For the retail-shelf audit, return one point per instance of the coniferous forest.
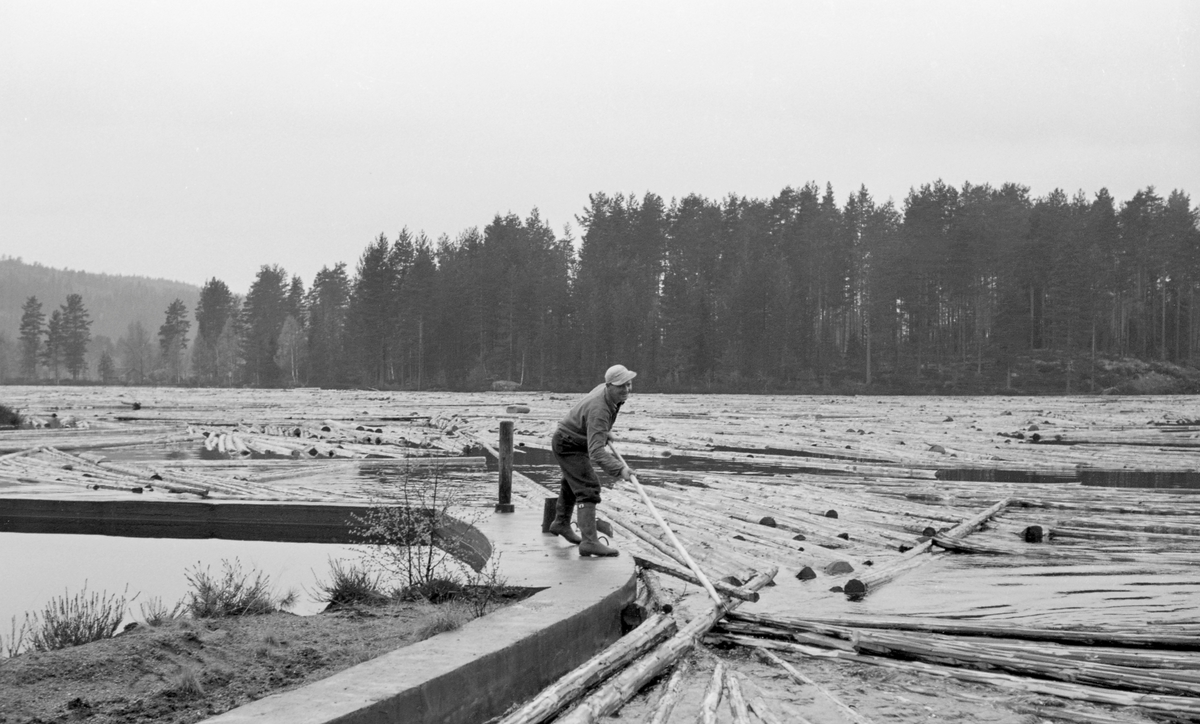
(959, 289)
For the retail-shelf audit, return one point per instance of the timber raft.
(1042, 546)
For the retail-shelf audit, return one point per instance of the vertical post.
(506, 466)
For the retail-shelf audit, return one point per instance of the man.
(581, 439)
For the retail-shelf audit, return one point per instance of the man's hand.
(612, 437)
(626, 473)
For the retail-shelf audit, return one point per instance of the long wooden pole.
(505, 505)
(708, 586)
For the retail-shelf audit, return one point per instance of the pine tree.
(370, 317)
(53, 351)
(327, 303)
(76, 335)
(137, 354)
(263, 314)
(32, 321)
(172, 338)
(106, 368)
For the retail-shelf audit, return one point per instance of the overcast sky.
(198, 140)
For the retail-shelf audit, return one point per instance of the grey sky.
(193, 140)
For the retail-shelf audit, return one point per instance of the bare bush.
(409, 536)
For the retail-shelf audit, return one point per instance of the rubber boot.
(591, 545)
(562, 522)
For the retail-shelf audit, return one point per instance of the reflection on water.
(35, 568)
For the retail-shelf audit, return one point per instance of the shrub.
(234, 594)
(79, 619)
(156, 613)
(347, 585)
(9, 417)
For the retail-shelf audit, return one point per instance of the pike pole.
(667, 529)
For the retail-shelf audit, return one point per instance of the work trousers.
(579, 482)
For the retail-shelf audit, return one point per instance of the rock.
(768, 521)
(517, 409)
(836, 589)
(806, 574)
(799, 536)
(1034, 534)
(844, 536)
(831, 513)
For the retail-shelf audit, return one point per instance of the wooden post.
(506, 467)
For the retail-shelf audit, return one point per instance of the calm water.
(34, 568)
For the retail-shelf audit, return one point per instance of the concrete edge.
(482, 669)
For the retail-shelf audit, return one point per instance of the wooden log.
(841, 706)
(720, 585)
(859, 587)
(614, 693)
(658, 600)
(1175, 706)
(670, 694)
(1030, 661)
(712, 695)
(737, 701)
(843, 626)
(570, 687)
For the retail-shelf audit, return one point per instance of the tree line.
(796, 292)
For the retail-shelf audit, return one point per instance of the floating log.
(570, 687)
(843, 626)
(712, 695)
(658, 600)
(671, 692)
(859, 587)
(1176, 706)
(737, 701)
(614, 693)
(720, 585)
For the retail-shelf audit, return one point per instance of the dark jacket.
(587, 425)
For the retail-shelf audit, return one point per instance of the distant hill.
(113, 301)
